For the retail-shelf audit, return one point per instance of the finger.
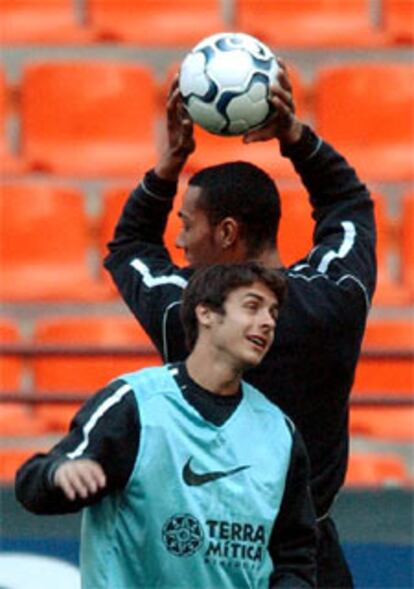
(258, 135)
(174, 84)
(65, 482)
(187, 128)
(281, 98)
(78, 483)
(283, 79)
(93, 476)
(173, 98)
(281, 63)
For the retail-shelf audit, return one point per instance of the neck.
(212, 372)
(270, 258)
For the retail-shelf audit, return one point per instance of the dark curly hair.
(246, 193)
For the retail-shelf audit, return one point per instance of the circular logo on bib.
(182, 534)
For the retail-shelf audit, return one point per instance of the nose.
(268, 320)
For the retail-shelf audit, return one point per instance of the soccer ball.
(224, 81)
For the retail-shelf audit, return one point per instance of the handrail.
(35, 350)
(34, 397)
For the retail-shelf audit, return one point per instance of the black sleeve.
(142, 269)
(343, 251)
(106, 429)
(292, 544)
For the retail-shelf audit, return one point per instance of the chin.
(251, 362)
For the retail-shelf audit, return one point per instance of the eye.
(251, 305)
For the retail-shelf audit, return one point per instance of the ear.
(204, 315)
(228, 232)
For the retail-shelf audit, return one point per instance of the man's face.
(245, 332)
(197, 237)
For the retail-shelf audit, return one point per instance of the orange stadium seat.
(11, 367)
(155, 22)
(213, 149)
(113, 201)
(40, 21)
(309, 23)
(390, 290)
(44, 243)
(374, 129)
(296, 225)
(89, 118)
(367, 469)
(388, 424)
(389, 377)
(11, 458)
(407, 242)
(9, 162)
(15, 418)
(84, 374)
(398, 20)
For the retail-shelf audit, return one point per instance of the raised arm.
(344, 235)
(138, 261)
(93, 459)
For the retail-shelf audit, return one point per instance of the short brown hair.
(211, 285)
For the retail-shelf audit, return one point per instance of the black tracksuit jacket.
(310, 369)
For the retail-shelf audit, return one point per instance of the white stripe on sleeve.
(94, 418)
(150, 281)
(345, 247)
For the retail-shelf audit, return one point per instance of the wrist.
(291, 135)
(169, 167)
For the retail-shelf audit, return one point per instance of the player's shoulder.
(148, 380)
(261, 404)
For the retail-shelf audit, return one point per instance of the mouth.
(258, 341)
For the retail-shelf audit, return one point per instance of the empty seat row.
(48, 242)
(387, 365)
(303, 23)
(100, 119)
(70, 373)
(91, 350)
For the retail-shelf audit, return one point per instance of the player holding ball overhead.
(231, 213)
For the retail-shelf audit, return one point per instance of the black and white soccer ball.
(224, 81)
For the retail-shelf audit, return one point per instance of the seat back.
(398, 20)
(374, 469)
(382, 117)
(296, 225)
(407, 242)
(155, 22)
(85, 373)
(113, 201)
(307, 23)
(17, 418)
(40, 21)
(45, 240)
(387, 376)
(102, 121)
(11, 458)
(11, 367)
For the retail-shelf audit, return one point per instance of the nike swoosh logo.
(194, 479)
